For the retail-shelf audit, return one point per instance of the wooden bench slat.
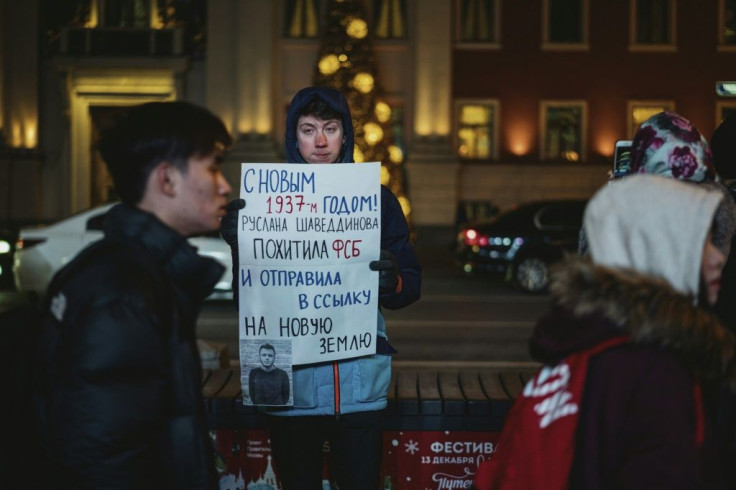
(215, 382)
(233, 388)
(511, 381)
(429, 394)
(206, 373)
(391, 395)
(527, 375)
(407, 396)
(453, 401)
(477, 401)
(500, 400)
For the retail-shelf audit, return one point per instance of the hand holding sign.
(388, 272)
(229, 222)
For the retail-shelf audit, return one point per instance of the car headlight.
(4, 247)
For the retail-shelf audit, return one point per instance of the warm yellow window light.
(373, 133)
(329, 64)
(383, 112)
(474, 114)
(363, 82)
(357, 28)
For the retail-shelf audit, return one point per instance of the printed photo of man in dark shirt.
(267, 384)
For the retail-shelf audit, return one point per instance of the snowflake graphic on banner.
(412, 446)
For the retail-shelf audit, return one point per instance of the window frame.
(583, 45)
(723, 104)
(544, 105)
(635, 46)
(373, 22)
(495, 104)
(631, 104)
(319, 6)
(494, 44)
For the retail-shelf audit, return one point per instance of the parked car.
(523, 241)
(41, 251)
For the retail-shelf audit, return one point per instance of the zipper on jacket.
(336, 374)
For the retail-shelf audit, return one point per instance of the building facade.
(500, 101)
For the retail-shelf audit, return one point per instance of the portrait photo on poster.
(267, 377)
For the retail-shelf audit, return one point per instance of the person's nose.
(225, 187)
(321, 140)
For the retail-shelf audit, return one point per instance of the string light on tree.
(346, 62)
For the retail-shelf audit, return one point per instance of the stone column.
(432, 166)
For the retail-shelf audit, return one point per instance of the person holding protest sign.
(341, 401)
(267, 384)
(118, 393)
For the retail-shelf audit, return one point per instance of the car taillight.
(23, 243)
(473, 237)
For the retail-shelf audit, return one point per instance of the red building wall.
(521, 74)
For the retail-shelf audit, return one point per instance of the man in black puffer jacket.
(118, 391)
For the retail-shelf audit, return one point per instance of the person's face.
(711, 267)
(201, 194)
(319, 141)
(267, 357)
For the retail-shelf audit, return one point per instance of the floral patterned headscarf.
(669, 145)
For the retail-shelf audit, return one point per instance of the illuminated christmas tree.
(346, 63)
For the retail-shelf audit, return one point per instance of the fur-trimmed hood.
(593, 303)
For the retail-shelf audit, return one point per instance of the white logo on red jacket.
(551, 384)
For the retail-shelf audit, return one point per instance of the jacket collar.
(190, 272)
(594, 302)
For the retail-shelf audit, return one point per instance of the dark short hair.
(267, 346)
(320, 109)
(155, 132)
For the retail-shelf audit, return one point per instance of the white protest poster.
(306, 236)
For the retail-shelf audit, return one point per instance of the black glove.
(388, 272)
(229, 222)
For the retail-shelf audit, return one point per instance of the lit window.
(565, 24)
(478, 21)
(390, 19)
(302, 18)
(727, 22)
(640, 110)
(476, 129)
(652, 24)
(563, 131)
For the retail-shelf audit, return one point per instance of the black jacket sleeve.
(395, 239)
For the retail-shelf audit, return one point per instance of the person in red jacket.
(632, 357)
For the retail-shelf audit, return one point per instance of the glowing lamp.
(358, 155)
(357, 28)
(363, 82)
(373, 133)
(329, 64)
(395, 154)
(405, 205)
(385, 175)
(383, 112)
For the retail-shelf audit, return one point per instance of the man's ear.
(164, 178)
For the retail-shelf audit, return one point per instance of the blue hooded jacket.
(361, 384)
